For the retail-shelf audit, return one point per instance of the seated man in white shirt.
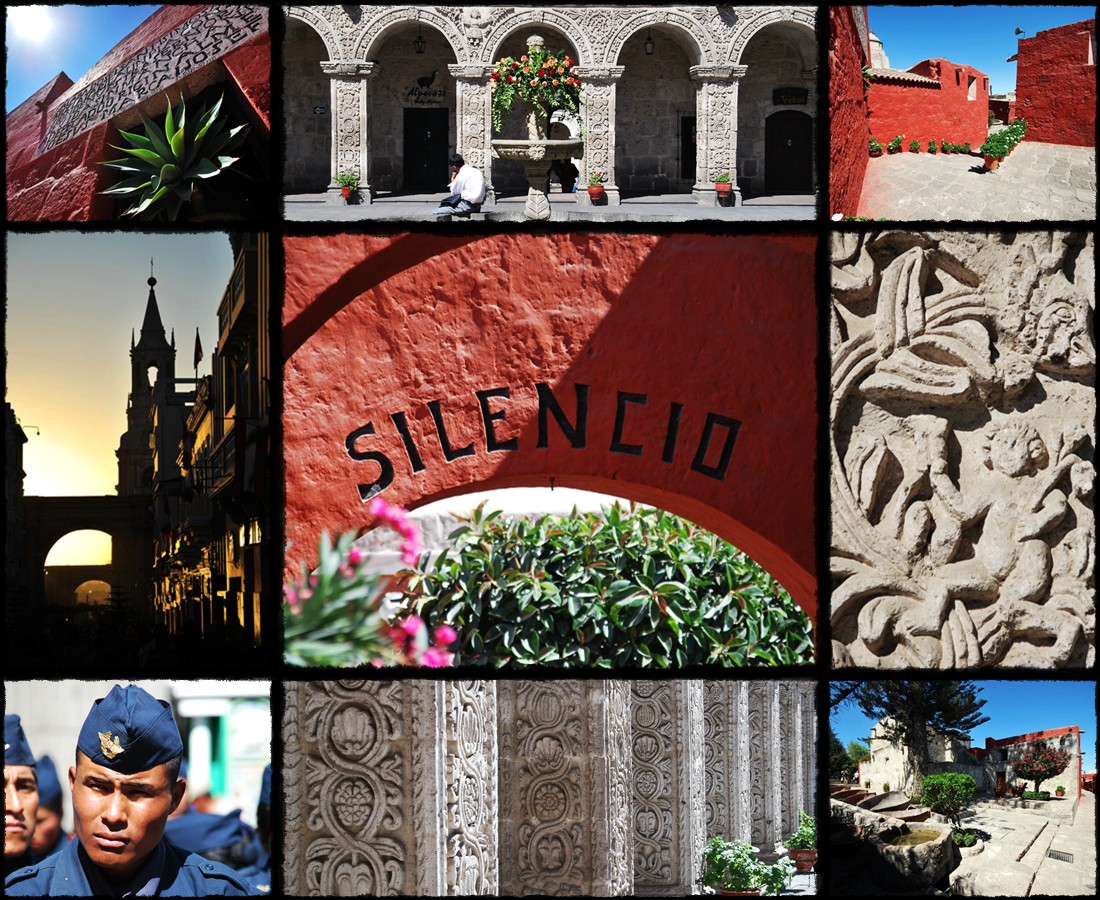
(467, 190)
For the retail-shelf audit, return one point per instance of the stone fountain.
(536, 153)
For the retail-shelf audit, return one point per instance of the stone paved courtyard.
(1049, 182)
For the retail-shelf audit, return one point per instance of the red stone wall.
(1056, 85)
(64, 183)
(1005, 110)
(926, 112)
(847, 110)
(378, 330)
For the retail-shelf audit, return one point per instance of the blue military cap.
(265, 786)
(49, 785)
(199, 832)
(17, 752)
(130, 731)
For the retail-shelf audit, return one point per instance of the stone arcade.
(601, 787)
(671, 95)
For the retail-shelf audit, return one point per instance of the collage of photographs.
(620, 442)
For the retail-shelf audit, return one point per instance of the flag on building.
(198, 348)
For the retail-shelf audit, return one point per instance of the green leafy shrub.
(895, 145)
(1040, 762)
(874, 146)
(642, 588)
(805, 838)
(947, 794)
(168, 163)
(964, 838)
(733, 866)
(1036, 795)
(932, 148)
(914, 146)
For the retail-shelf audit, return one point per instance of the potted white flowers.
(732, 869)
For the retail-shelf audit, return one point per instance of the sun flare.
(30, 23)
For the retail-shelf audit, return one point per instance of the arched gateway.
(671, 96)
(673, 370)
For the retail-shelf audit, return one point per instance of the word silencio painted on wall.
(708, 461)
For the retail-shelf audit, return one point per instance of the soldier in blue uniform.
(20, 796)
(260, 873)
(124, 785)
(49, 836)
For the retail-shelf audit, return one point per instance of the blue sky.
(979, 36)
(43, 41)
(1013, 707)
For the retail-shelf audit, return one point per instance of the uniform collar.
(144, 883)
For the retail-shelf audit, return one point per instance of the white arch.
(373, 32)
(531, 19)
(702, 50)
(313, 17)
(802, 16)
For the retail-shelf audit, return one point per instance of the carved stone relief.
(202, 39)
(963, 444)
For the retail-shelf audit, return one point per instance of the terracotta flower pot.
(876, 153)
(991, 163)
(723, 188)
(345, 193)
(804, 860)
(595, 192)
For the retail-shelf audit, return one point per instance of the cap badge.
(111, 747)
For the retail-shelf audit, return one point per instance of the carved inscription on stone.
(205, 37)
(962, 410)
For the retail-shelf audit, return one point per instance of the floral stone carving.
(961, 419)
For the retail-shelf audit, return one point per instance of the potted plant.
(994, 150)
(732, 869)
(943, 146)
(895, 145)
(595, 186)
(349, 185)
(1060, 791)
(914, 146)
(722, 185)
(886, 787)
(874, 147)
(802, 845)
(932, 147)
(966, 147)
(867, 784)
(540, 79)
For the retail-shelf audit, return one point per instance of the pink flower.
(410, 548)
(292, 599)
(355, 556)
(412, 625)
(445, 635)
(434, 658)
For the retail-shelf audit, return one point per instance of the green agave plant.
(168, 163)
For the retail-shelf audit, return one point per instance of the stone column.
(760, 758)
(598, 107)
(474, 124)
(716, 129)
(669, 783)
(350, 133)
(565, 788)
(380, 781)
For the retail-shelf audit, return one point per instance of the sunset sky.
(72, 301)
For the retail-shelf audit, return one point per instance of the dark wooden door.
(788, 153)
(687, 148)
(426, 150)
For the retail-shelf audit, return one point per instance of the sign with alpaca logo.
(428, 90)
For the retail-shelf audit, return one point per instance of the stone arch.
(693, 40)
(314, 17)
(532, 20)
(803, 17)
(375, 32)
(620, 379)
(307, 89)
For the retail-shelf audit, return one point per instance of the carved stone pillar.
(716, 129)
(598, 107)
(474, 126)
(350, 136)
(760, 758)
(565, 788)
(669, 781)
(390, 788)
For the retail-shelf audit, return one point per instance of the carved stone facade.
(594, 787)
(962, 430)
(660, 107)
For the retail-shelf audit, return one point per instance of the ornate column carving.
(598, 106)
(473, 129)
(379, 777)
(565, 788)
(716, 129)
(350, 102)
(669, 782)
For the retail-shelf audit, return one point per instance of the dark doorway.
(788, 153)
(426, 150)
(687, 148)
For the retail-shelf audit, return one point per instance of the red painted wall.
(847, 110)
(991, 743)
(63, 184)
(1005, 110)
(377, 328)
(1056, 85)
(926, 112)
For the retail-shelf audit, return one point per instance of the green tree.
(910, 709)
(857, 752)
(838, 757)
(947, 794)
(1040, 762)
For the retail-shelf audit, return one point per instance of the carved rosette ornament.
(350, 101)
(962, 410)
(716, 138)
(598, 108)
